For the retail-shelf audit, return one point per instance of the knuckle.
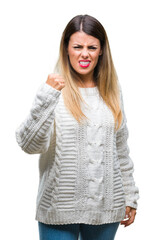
(57, 76)
(50, 76)
(56, 80)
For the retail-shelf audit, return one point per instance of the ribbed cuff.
(49, 89)
(131, 204)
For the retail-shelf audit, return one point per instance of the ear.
(100, 52)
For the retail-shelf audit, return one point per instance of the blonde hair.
(105, 75)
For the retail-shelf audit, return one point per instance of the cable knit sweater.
(86, 174)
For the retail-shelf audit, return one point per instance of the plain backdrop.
(29, 45)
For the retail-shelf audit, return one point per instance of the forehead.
(83, 38)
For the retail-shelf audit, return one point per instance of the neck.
(86, 81)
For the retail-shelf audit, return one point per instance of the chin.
(83, 71)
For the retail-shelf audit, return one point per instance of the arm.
(126, 163)
(33, 135)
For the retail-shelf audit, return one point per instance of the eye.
(77, 47)
(92, 47)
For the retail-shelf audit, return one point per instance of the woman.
(78, 125)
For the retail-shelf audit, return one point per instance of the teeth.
(84, 63)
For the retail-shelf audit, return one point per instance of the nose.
(84, 53)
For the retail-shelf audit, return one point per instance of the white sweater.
(86, 174)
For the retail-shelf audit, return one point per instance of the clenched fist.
(56, 81)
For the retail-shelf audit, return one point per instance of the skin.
(81, 46)
(85, 47)
(56, 81)
(129, 216)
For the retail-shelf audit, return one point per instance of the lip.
(84, 66)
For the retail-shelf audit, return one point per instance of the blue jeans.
(73, 231)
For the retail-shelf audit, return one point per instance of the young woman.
(78, 126)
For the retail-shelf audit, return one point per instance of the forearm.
(33, 135)
(126, 163)
(127, 168)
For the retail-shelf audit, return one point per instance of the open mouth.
(84, 64)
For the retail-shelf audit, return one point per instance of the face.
(84, 51)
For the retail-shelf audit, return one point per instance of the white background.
(29, 44)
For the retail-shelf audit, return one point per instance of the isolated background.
(29, 45)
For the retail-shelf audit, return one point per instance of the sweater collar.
(89, 91)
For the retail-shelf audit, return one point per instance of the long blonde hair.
(104, 73)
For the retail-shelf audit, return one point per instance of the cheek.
(96, 57)
(73, 57)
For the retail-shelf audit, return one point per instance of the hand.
(129, 216)
(56, 81)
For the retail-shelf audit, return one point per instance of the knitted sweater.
(86, 174)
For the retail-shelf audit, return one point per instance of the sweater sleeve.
(126, 163)
(33, 135)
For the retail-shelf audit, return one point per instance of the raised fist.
(56, 81)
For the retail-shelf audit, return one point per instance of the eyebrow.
(88, 45)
